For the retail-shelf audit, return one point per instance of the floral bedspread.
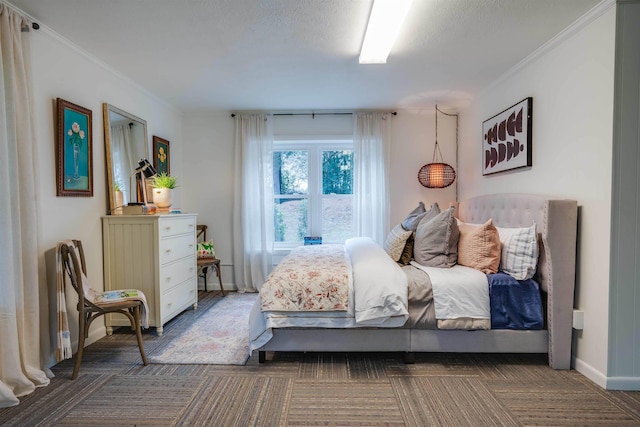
(310, 278)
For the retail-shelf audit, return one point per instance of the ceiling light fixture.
(438, 174)
(384, 25)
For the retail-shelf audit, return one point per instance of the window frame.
(314, 146)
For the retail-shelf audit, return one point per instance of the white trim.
(590, 372)
(593, 14)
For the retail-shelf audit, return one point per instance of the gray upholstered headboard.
(556, 224)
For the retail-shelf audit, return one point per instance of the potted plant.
(163, 185)
(119, 197)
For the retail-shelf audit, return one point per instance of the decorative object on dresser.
(125, 143)
(506, 139)
(90, 304)
(156, 254)
(161, 155)
(163, 186)
(207, 256)
(74, 168)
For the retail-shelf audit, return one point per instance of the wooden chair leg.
(136, 316)
(219, 277)
(82, 328)
(205, 270)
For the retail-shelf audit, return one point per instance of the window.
(313, 191)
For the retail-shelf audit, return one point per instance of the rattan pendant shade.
(437, 174)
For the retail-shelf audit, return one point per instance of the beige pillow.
(396, 241)
(436, 240)
(479, 247)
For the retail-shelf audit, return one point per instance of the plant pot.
(162, 198)
(119, 199)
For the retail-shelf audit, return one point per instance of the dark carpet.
(316, 389)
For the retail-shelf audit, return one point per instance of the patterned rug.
(218, 337)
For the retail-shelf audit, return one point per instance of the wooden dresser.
(153, 253)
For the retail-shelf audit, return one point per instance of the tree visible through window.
(313, 191)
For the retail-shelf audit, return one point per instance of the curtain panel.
(371, 141)
(20, 353)
(253, 229)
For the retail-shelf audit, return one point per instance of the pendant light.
(438, 174)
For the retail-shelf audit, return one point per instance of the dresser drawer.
(174, 248)
(178, 298)
(175, 226)
(176, 272)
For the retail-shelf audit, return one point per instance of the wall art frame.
(161, 155)
(507, 139)
(74, 150)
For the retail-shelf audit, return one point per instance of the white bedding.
(458, 292)
(379, 294)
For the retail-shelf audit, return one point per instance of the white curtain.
(124, 158)
(253, 233)
(371, 141)
(20, 358)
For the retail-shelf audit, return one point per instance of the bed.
(555, 223)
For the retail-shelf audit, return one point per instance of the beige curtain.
(20, 359)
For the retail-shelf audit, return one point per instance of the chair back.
(74, 268)
(201, 232)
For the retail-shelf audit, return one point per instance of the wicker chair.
(89, 311)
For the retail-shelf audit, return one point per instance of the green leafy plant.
(162, 180)
(117, 186)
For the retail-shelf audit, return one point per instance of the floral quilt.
(310, 278)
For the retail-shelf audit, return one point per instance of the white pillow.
(396, 240)
(519, 257)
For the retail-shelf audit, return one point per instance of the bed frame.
(556, 221)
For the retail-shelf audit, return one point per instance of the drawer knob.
(168, 228)
(168, 251)
(168, 279)
(190, 245)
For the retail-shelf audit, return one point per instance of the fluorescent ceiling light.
(383, 28)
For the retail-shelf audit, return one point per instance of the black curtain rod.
(312, 114)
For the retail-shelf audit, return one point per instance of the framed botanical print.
(161, 155)
(506, 139)
(74, 156)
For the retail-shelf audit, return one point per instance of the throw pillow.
(206, 250)
(479, 246)
(407, 251)
(396, 241)
(436, 240)
(415, 216)
(519, 257)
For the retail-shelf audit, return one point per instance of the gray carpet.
(312, 389)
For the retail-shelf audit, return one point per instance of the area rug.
(218, 337)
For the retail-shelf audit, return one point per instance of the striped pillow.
(519, 258)
(396, 240)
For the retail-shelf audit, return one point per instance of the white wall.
(60, 70)
(571, 83)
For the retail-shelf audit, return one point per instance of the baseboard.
(623, 383)
(590, 372)
(608, 383)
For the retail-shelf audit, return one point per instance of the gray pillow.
(412, 220)
(436, 240)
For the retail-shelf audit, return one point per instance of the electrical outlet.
(578, 319)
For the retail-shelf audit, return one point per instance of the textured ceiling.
(303, 54)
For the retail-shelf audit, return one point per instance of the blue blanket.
(515, 304)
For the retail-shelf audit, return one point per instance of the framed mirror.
(125, 141)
